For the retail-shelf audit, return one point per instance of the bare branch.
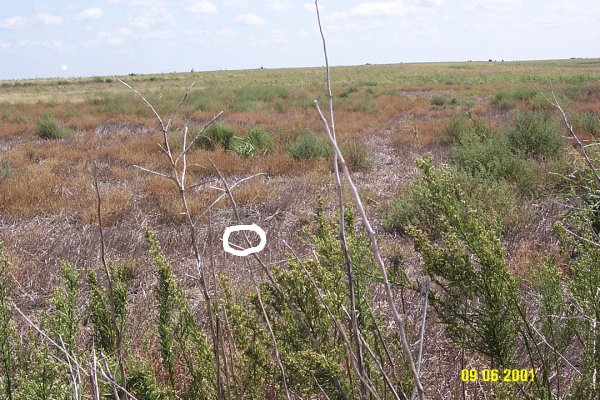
(154, 172)
(176, 109)
(162, 125)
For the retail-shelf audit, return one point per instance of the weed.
(309, 146)
(49, 128)
(357, 156)
(216, 135)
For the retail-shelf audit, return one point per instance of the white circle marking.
(242, 253)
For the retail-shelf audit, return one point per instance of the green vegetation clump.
(49, 128)
(310, 146)
(589, 121)
(248, 98)
(441, 100)
(534, 134)
(357, 156)
(347, 91)
(216, 135)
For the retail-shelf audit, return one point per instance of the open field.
(485, 123)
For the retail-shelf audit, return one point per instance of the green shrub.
(309, 146)
(261, 140)
(216, 135)
(496, 199)
(49, 128)
(534, 134)
(442, 100)
(589, 121)
(357, 156)
(475, 295)
(504, 101)
(350, 89)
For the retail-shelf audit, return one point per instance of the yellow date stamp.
(495, 375)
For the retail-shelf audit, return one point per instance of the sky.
(52, 38)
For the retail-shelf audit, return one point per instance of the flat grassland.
(387, 116)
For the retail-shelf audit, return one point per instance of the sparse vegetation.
(501, 218)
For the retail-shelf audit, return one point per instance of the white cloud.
(48, 19)
(13, 22)
(203, 7)
(375, 9)
(235, 2)
(152, 18)
(494, 5)
(64, 67)
(279, 5)
(249, 19)
(89, 14)
(310, 7)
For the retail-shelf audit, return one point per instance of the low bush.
(216, 135)
(49, 128)
(357, 156)
(442, 100)
(496, 199)
(261, 140)
(534, 134)
(589, 122)
(256, 141)
(309, 146)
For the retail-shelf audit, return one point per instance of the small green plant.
(357, 156)
(49, 128)
(309, 146)
(216, 135)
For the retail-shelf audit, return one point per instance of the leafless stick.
(93, 375)
(422, 331)
(176, 109)
(374, 246)
(340, 192)
(189, 146)
(111, 292)
(385, 376)
(156, 114)
(275, 347)
(154, 172)
(178, 175)
(398, 318)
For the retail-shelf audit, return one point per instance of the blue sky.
(105, 37)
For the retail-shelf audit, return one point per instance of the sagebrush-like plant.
(475, 295)
(180, 338)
